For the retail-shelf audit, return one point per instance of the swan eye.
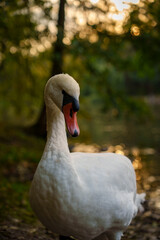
(69, 99)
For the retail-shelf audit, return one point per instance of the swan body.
(84, 195)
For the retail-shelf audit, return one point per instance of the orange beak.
(71, 119)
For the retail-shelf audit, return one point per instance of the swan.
(84, 195)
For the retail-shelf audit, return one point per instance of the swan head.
(63, 91)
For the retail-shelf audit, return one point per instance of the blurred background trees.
(111, 47)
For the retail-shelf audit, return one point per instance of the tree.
(110, 58)
(57, 65)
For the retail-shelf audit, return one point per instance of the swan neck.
(56, 133)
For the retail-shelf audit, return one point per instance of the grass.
(19, 156)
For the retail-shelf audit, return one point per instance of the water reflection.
(80, 147)
(137, 163)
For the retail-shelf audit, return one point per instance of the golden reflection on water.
(81, 147)
(137, 163)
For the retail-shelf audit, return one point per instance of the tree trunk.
(39, 128)
(59, 46)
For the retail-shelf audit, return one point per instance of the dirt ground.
(144, 227)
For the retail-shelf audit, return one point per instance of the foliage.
(110, 66)
(119, 65)
(22, 65)
(145, 43)
(19, 159)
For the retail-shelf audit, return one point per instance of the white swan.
(87, 196)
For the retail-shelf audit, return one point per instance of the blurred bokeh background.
(112, 48)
